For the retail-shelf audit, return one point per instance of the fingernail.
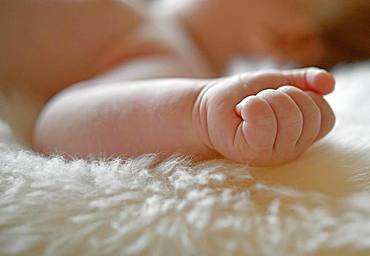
(322, 80)
(313, 73)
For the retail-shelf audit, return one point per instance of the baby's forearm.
(123, 119)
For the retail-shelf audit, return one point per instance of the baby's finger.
(289, 119)
(327, 114)
(313, 79)
(311, 116)
(259, 123)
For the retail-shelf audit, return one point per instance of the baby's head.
(303, 32)
(316, 32)
(344, 30)
(319, 33)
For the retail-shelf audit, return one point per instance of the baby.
(107, 54)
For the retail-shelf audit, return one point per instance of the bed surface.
(317, 205)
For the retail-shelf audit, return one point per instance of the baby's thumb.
(312, 79)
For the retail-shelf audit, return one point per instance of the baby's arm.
(126, 118)
(194, 117)
(46, 46)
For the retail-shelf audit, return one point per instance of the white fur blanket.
(317, 205)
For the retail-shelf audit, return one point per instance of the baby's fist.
(266, 118)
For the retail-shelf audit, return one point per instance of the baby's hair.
(345, 30)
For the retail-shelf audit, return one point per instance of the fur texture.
(317, 205)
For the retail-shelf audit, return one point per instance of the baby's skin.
(261, 119)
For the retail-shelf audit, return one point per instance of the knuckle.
(289, 89)
(251, 101)
(267, 93)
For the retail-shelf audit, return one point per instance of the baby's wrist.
(200, 116)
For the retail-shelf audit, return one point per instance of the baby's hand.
(265, 118)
